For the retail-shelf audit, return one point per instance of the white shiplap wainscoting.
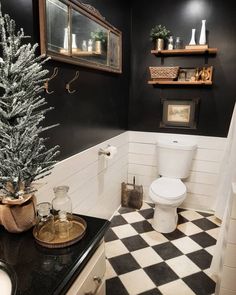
(95, 182)
(203, 177)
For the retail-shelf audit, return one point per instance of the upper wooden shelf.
(185, 51)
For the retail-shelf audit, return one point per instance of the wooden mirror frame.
(91, 13)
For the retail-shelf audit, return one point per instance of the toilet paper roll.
(110, 152)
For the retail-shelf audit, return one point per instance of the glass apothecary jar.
(170, 45)
(45, 228)
(62, 209)
(178, 43)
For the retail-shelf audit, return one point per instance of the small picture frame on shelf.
(179, 113)
(182, 75)
(190, 74)
(187, 74)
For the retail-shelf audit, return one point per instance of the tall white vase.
(65, 45)
(74, 45)
(202, 39)
(192, 41)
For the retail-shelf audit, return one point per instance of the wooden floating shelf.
(79, 52)
(85, 53)
(185, 51)
(159, 82)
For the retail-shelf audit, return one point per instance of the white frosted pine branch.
(24, 156)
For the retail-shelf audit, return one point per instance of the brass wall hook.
(68, 84)
(46, 83)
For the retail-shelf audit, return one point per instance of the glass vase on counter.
(45, 227)
(62, 211)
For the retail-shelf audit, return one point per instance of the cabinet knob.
(98, 282)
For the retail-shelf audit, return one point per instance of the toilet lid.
(168, 188)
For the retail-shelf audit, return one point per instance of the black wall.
(98, 110)
(216, 101)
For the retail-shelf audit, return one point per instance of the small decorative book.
(195, 47)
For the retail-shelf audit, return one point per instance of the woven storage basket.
(168, 73)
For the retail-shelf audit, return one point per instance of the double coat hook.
(68, 84)
(46, 83)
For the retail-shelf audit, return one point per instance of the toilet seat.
(170, 189)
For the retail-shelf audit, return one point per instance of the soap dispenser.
(62, 207)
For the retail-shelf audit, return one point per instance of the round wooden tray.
(76, 233)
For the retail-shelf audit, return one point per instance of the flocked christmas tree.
(24, 157)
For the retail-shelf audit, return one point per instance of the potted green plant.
(24, 157)
(100, 39)
(158, 35)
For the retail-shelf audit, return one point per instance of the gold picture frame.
(179, 113)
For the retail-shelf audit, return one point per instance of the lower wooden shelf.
(159, 82)
(76, 52)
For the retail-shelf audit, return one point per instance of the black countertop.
(43, 271)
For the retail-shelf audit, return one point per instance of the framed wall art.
(179, 113)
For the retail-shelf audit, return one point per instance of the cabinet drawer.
(92, 277)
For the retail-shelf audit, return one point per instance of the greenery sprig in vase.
(100, 39)
(159, 35)
(99, 35)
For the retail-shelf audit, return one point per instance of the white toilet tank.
(174, 158)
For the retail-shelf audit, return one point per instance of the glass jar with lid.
(45, 228)
(170, 45)
(62, 205)
(178, 43)
(90, 45)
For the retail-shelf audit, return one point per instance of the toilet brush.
(136, 196)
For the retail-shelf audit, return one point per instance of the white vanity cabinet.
(91, 281)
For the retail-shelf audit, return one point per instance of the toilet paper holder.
(103, 152)
(108, 151)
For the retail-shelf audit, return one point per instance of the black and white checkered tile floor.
(143, 261)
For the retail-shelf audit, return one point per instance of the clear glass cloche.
(61, 204)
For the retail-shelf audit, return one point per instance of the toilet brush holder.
(131, 195)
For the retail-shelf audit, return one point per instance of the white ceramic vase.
(74, 45)
(192, 41)
(202, 39)
(65, 45)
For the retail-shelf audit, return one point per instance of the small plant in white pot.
(24, 157)
(100, 39)
(159, 35)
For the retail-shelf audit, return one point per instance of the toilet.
(168, 192)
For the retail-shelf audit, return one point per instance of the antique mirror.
(73, 32)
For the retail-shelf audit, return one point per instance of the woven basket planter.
(18, 218)
(164, 73)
